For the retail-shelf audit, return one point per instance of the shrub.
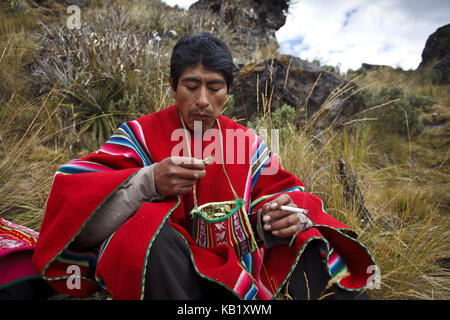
(282, 120)
(420, 102)
(116, 66)
(283, 117)
(106, 70)
(396, 111)
(13, 5)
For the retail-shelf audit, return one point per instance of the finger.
(182, 182)
(266, 207)
(188, 174)
(175, 188)
(275, 214)
(286, 232)
(184, 190)
(283, 199)
(188, 163)
(182, 185)
(285, 222)
(271, 206)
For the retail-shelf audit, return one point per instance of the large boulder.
(272, 83)
(253, 22)
(295, 82)
(436, 55)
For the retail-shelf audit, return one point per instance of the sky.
(347, 33)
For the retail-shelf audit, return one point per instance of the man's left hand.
(281, 223)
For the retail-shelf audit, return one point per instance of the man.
(123, 215)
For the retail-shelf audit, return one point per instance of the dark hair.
(201, 48)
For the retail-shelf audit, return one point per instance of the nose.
(202, 98)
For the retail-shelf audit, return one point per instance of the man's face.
(200, 95)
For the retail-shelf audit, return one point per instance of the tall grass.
(115, 67)
(26, 165)
(410, 80)
(409, 234)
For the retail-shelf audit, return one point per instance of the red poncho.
(81, 186)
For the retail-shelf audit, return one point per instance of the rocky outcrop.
(436, 55)
(274, 82)
(295, 82)
(253, 22)
(372, 67)
(79, 3)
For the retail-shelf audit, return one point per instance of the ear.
(174, 93)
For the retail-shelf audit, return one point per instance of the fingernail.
(267, 227)
(274, 205)
(266, 218)
(275, 233)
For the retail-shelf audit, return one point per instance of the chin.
(205, 124)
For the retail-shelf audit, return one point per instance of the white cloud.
(181, 3)
(356, 31)
(351, 32)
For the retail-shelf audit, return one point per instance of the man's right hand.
(177, 175)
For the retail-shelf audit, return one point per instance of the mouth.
(200, 117)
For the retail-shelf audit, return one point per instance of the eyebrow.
(194, 79)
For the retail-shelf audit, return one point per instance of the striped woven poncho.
(82, 185)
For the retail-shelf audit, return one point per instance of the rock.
(437, 120)
(274, 82)
(442, 70)
(295, 82)
(432, 127)
(370, 67)
(436, 55)
(253, 22)
(238, 63)
(79, 3)
(437, 46)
